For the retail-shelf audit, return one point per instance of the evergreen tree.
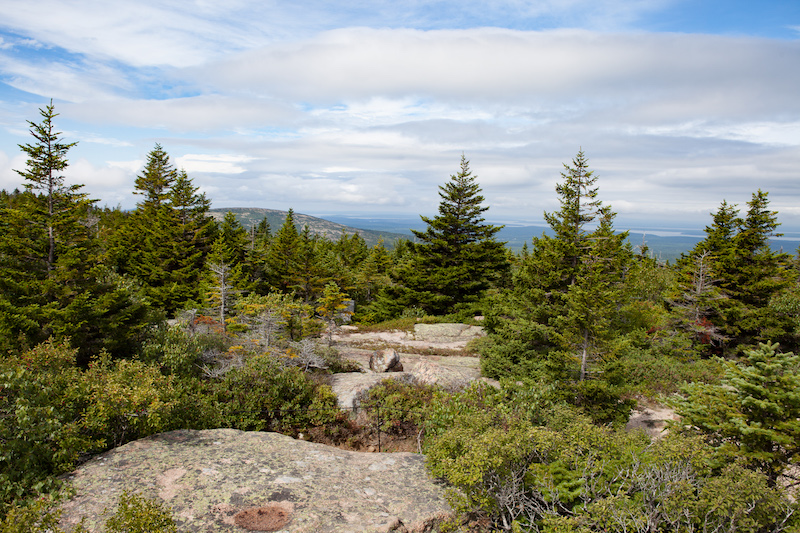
(223, 282)
(282, 254)
(755, 411)
(52, 282)
(155, 181)
(457, 258)
(257, 254)
(164, 242)
(235, 239)
(590, 303)
(58, 208)
(562, 309)
(747, 272)
(307, 273)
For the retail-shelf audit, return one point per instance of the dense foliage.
(581, 327)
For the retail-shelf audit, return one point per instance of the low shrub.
(397, 407)
(263, 395)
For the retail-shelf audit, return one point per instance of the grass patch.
(395, 324)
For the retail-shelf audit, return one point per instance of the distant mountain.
(249, 217)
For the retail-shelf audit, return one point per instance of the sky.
(364, 108)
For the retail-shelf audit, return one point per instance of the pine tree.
(579, 207)
(223, 282)
(308, 274)
(457, 258)
(590, 302)
(257, 254)
(747, 272)
(155, 181)
(756, 410)
(53, 206)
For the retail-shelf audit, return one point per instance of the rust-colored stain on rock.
(267, 518)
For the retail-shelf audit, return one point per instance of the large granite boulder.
(226, 480)
(386, 360)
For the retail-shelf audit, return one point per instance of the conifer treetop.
(156, 179)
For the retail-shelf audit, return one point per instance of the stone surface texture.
(226, 480)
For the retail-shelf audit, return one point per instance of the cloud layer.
(334, 109)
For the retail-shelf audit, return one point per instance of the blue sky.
(366, 107)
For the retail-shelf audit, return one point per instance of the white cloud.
(283, 115)
(10, 180)
(218, 164)
(647, 74)
(129, 166)
(195, 114)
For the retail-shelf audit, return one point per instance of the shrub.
(175, 351)
(397, 407)
(40, 434)
(265, 396)
(137, 514)
(127, 400)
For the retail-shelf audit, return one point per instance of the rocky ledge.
(225, 480)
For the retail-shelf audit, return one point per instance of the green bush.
(38, 515)
(134, 514)
(265, 396)
(40, 431)
(573, 476)
(127, 400)
(397, 406)
(175, 351)
(137, 514)
(649, 372)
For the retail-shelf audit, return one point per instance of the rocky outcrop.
(350, 387)
(447, 333)
(424, 336)
(226, 480)
(386, 360)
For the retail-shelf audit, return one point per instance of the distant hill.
(250, 217)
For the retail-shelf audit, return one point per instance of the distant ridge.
(250, 217)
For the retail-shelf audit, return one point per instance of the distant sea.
(665, 244)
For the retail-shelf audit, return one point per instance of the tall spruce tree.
(457, 258)
(52, 283)
(748, 273)
(164, 242)
(556, 319)
(282, 253)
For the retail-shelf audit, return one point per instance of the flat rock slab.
(226, 480)
(447, 333)
(349, 386)
(424, 336)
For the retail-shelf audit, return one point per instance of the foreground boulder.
(226, 480)
(386, 360)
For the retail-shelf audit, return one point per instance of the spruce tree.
(155, 181)
(457, 258)
(754, 414)
(560, 313)
(164, 242)
(748, 273)
(304, 272)
(282, 253)
(51, 279)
